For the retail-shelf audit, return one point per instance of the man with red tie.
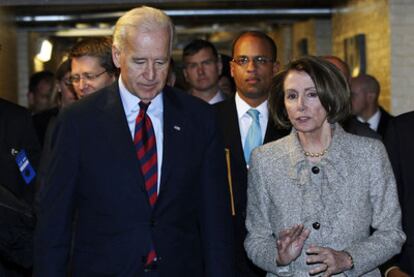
(142, 165)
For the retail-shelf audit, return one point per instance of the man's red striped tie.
(146, 149)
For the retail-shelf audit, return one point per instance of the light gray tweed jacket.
(354, 190)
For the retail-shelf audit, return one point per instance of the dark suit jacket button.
(152, 222)
(315, 170)
(316, 225)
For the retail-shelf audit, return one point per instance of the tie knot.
(254, 114)
(144, 106)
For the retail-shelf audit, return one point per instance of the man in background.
(245, 124)
(202, 68)
(64, 96)
(351, 124)
(365, 91)
(399, 143)
(41, 88)
(92, 67)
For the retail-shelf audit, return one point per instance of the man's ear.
(116, 53)
(232, 69)
(219, 65)
(185, 74)
(30, 98)
(276, 67)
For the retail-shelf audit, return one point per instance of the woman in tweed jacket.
(320, 201)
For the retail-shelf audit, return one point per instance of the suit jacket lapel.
(175, 133)
(232, 133)
(113, 120)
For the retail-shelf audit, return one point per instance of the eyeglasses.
(67, 81)
(75, 79)
(257, 61)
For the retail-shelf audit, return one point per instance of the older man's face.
(144, 62)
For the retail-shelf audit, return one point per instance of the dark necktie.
(146, 148)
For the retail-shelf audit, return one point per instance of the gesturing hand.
(290, 243)
(328, 261)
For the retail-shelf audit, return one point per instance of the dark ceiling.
(41, 13)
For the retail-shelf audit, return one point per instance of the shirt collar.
(243, 107)
(374, 120)
(130, 101)
(218, 97)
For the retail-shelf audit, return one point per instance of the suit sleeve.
(215, 219)
(391, 143)
(260, 241)
(56, 203)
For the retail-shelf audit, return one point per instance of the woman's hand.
(328, 261)
(290, 243)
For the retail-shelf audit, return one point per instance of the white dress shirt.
(245, 120)
(155, 112)
(373, 121)
(217, 98)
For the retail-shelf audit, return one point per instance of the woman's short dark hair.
(330, 84)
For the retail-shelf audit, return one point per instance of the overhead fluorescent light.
(45, 52)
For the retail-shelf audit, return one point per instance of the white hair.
(143, 18)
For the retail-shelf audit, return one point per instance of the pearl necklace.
(315, 155)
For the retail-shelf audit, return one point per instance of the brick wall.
(402, 55)
(282, 37)
(317, 33)
(369, 17)
(304, 30)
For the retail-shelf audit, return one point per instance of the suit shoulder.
(9, 108)
(88, 104)
(405, 118)
(226, 107)
(185, 101)
(363, 147)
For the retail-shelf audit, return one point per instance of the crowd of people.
(257, 170)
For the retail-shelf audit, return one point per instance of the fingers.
(328, 261)
(304, 234)
(292, 232)
(290, 243)
(319, 269)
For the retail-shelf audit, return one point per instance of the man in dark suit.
(16, 135)
(167, 215)
(351, 124)
(253, 66)
(399, 143)
(365, 92)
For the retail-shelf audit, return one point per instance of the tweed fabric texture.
(354, 190)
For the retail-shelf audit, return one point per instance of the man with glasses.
(202, 68)
(92, 65)
(245, 124)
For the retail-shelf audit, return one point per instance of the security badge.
(26, 169)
